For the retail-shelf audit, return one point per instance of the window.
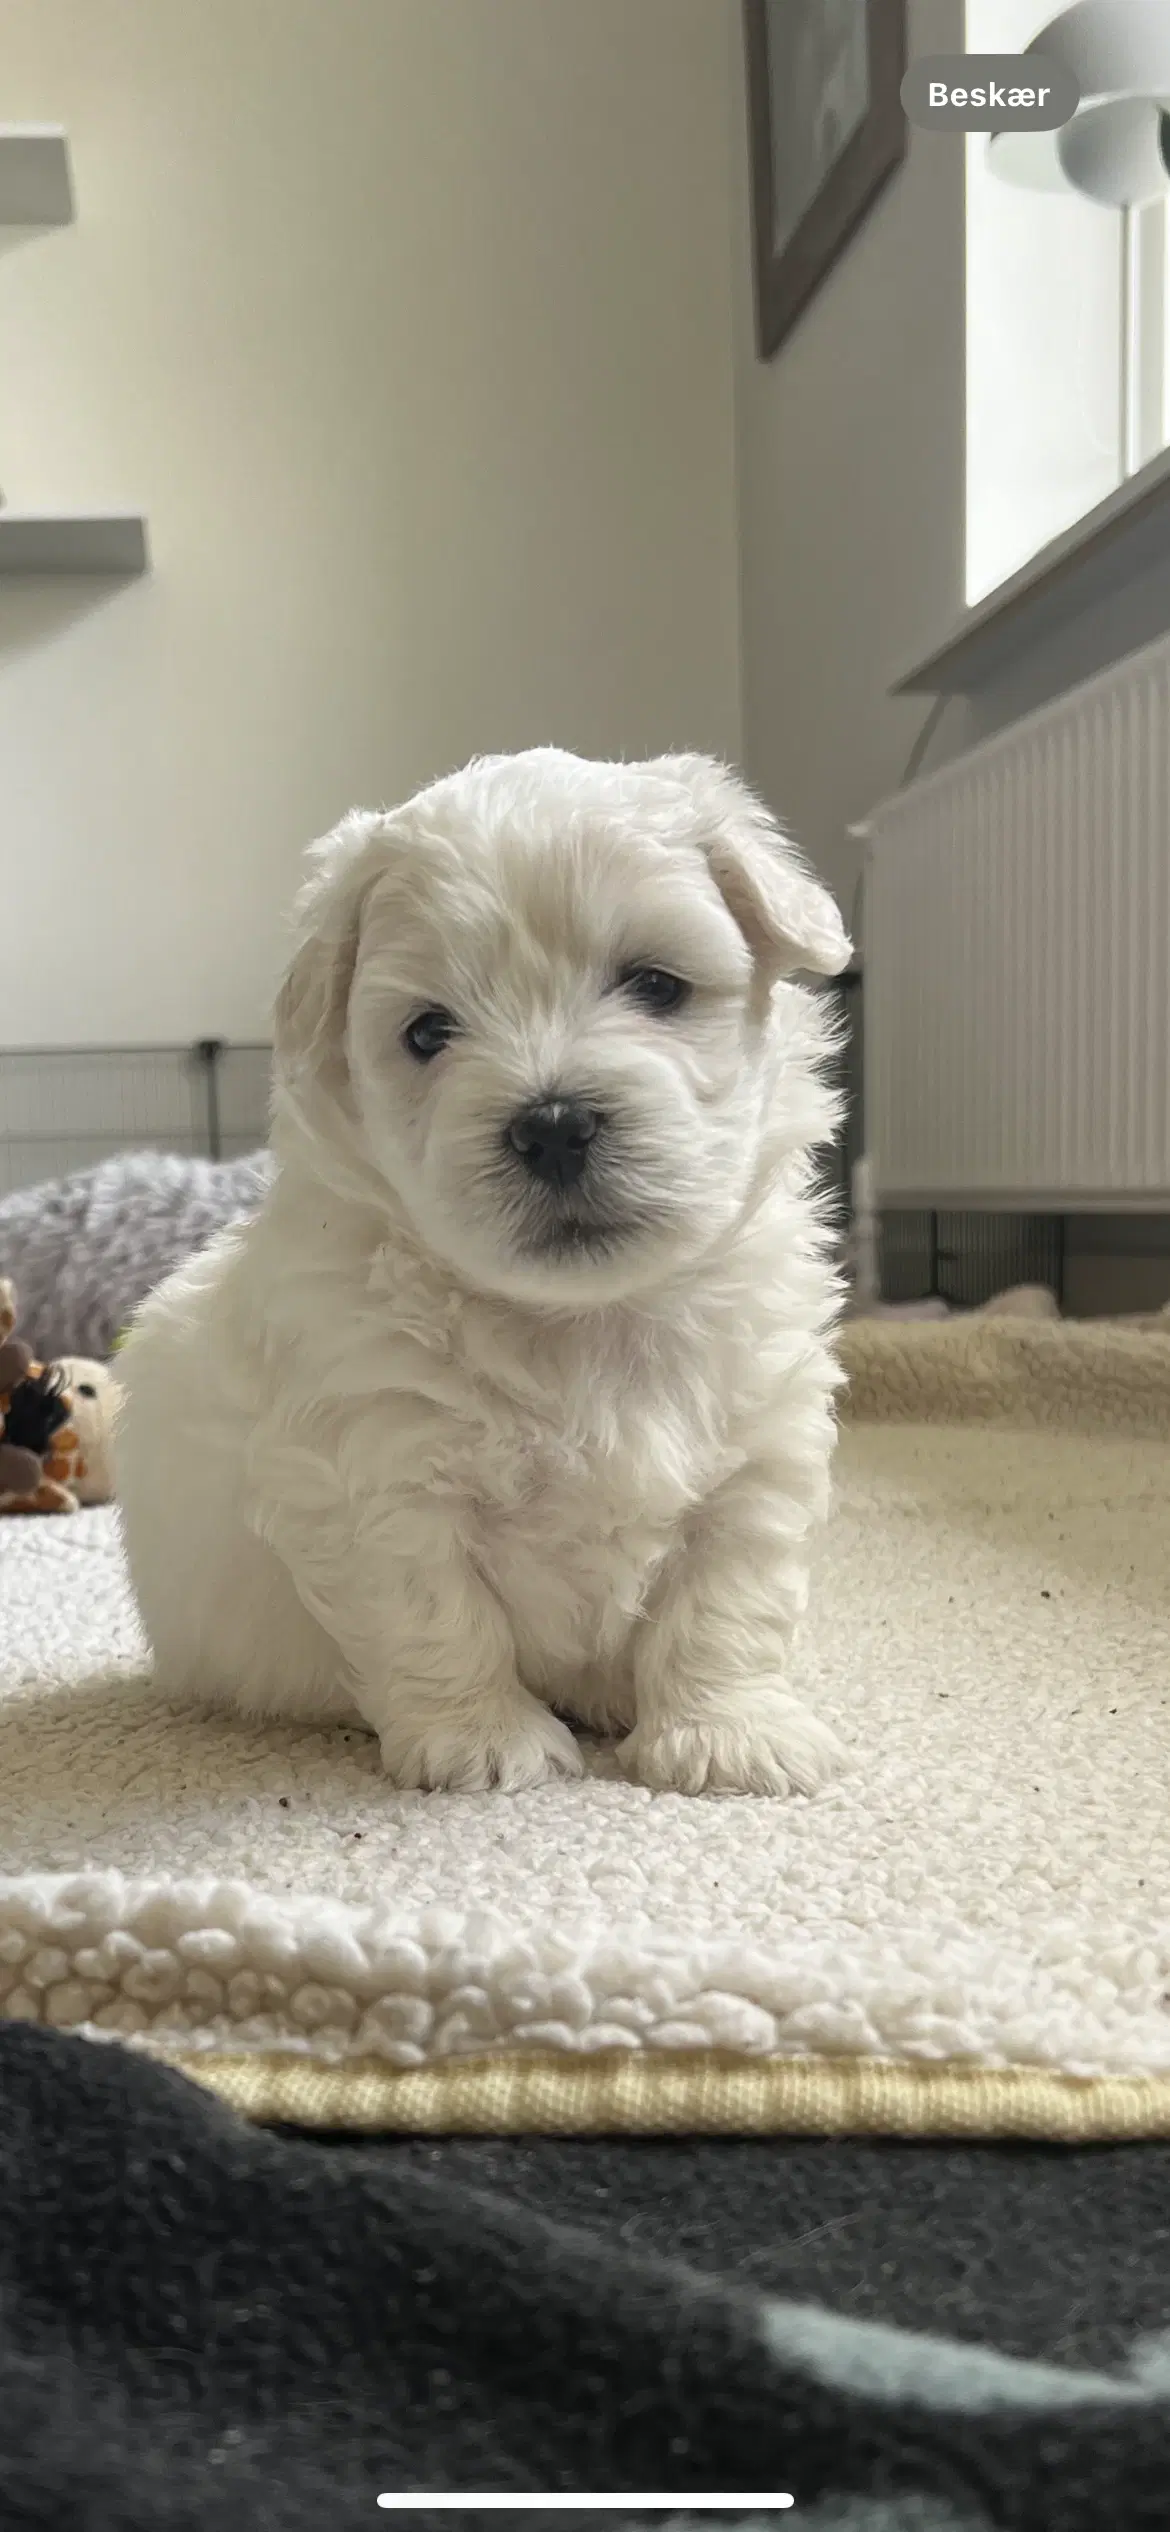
(1067, 333)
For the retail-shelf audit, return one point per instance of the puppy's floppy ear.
(310, 1010)
(788, 920)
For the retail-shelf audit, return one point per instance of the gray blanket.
(83, 1251)
(204, 2326)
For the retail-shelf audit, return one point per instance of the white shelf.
(114, 543)
(36, 187)
(36, 191)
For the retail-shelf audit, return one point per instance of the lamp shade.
(1115, 148)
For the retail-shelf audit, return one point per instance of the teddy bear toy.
(55, 1426)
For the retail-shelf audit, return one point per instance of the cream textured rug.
(971, 1933)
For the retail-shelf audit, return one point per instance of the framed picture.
(826, 130)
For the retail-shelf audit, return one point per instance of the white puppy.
(516, 1400)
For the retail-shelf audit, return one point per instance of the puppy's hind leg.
(228, 1629)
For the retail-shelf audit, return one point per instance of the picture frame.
(826, 131)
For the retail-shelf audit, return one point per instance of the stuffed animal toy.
(94, 1395)
(20, 1466)
(55, 1426)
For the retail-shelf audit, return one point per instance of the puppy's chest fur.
(575, 1468)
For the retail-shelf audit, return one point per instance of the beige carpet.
(971, 1933)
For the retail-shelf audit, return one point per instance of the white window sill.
(1126, 535)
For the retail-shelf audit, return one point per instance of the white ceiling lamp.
(1116, 149)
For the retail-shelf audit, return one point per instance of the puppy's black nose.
(553, 1138)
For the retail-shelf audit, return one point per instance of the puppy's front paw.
(468, 1752)
(761, 1743)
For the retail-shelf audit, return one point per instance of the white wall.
(851, 465)
(407, 323)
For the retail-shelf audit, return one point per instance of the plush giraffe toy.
(54, 1426)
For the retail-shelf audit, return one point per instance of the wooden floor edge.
(707, 2092)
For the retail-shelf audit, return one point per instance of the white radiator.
(1017, 958)
(63, 1108)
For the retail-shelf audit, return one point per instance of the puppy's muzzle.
(552, 1137)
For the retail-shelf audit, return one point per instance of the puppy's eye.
(429, 1034)
(655, 988)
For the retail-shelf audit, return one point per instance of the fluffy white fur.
(434, 1442)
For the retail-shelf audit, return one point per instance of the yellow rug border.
(704, 2093)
